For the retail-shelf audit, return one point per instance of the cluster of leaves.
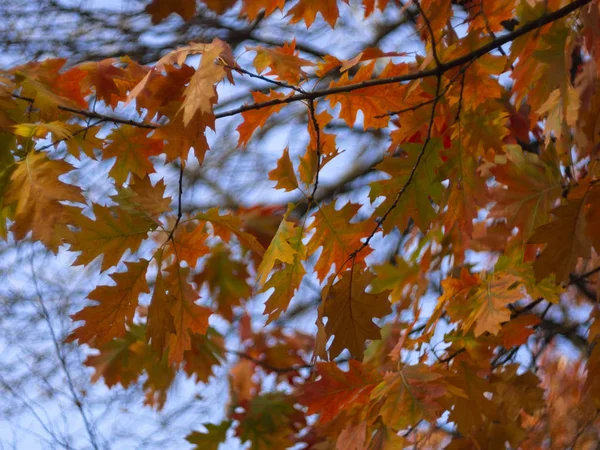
(475, 164)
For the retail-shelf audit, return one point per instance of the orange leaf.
(251, 8)
(308, 9)
(336, 391)
(372, 101)
(284, 62)
(188, 317)
(284, 173)
(116, 306)
(255, 119)
(132, 149)
(189, 243)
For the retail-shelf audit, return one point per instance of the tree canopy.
(393, 248)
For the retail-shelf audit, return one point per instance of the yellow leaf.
(279, 249)
(36, 190)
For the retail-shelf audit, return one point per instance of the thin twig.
(63, 363)
(313, 117)
(81, 130)
(263, 78)
(438, 63)
(435, 72)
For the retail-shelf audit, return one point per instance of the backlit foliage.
(491, 180)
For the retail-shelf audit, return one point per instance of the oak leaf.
(124, 360)
(188, 317)
(252, 8)
(336, 390)
(280, 249)
(284, 173)
(112, 233)
(337, 236)
(567, 240)
(214, 436)
(226, 279)
(161, 9)
(284, 62)
(227, 224)
(373, 101)
(254, 119)
(36, 191)
(116, 306)
(529, 187)
(411, 188)
(206, 352)
(350, 311)
(132, 149)
(308, 9)
(352, 437)
(410, 395)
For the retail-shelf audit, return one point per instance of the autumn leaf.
(161, 9)
(188, 317)
(373, 101)
(352, 437)
(226, 279)
(103, 76)
(254, 119)
(36, 191)
(467, 190)
(337, 390)
(225, 225)
(111, 234)
(528, 188)
(350, 311)
(212, 438)
(131, 147)
(337, 236)
(149, 198)
(416, 196)
(280, 249)
(285, 283)
(188, 243)
(567, 240)
(284, 173)
(410, 395)
(206, 352)
(116, 306)
(251, 8)
(124, 360)
(268, 422)
(488, 306)
(160, 322)
(284, 62)
(308, 9)
(201, 93)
